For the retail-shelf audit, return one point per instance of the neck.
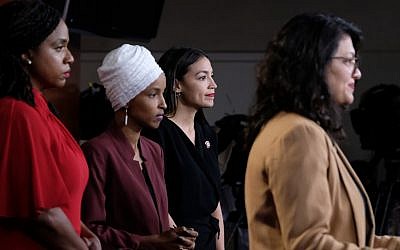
(131, 135)
(184, 115)
(36, 84)
(185, 121)
(133, 138)
(131, 132)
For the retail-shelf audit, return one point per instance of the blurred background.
(234, 33)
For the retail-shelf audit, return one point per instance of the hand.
(179, 238)
(93, 243)
(90, 239)
(187, 233)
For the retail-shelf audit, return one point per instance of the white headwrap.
(126, 71)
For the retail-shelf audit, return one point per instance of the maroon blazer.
(121, 202)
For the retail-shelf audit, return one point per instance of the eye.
(203, 78)
(349, 60)
(59, 48)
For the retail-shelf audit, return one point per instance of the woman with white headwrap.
(125, 202)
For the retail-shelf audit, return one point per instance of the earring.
(28, 61)
(178, 94)
(126, 116)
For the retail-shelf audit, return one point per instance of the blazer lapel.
(357, 195)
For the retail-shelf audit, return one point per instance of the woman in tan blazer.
(300, 190)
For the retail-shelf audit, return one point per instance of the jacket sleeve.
(387, 242)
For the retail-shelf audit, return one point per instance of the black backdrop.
(137, 19)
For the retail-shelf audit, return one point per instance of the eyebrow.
(204, 71)
(348, 54)
(155, 88)
(61, 40)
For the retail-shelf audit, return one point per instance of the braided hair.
(24, 25)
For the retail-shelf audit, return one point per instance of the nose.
(357, 73)
(69, 58)
(163, 104)
(213, 84)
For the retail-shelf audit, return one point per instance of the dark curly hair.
(24, 25)
(291, 75)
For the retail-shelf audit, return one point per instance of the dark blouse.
(192, 177)
(122, 202)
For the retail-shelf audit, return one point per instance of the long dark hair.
(175, 63)
(24, 25)
(291, 75)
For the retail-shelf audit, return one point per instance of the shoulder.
(288, 130)
(166, 125)
(167, 131)
(289, 140)
(292, 124)
(16, 108)
(101, 143)
(159, 134)
(149, 144)
(151, 150)
(201, 123)
(22, 115)
(292, 119)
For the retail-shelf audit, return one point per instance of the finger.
(193, 239)
(192, 246)
(185, 248)
(193, 233)
(186, 232)
(87, 241)
(187, 242)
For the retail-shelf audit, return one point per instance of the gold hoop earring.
(126, 116)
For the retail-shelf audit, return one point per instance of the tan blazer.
(301, 192)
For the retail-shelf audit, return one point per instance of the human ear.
(177, 86)
(25, 57)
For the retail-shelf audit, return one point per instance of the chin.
(208, 105)
(154, 125)
(348, 99)
(61, 84)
